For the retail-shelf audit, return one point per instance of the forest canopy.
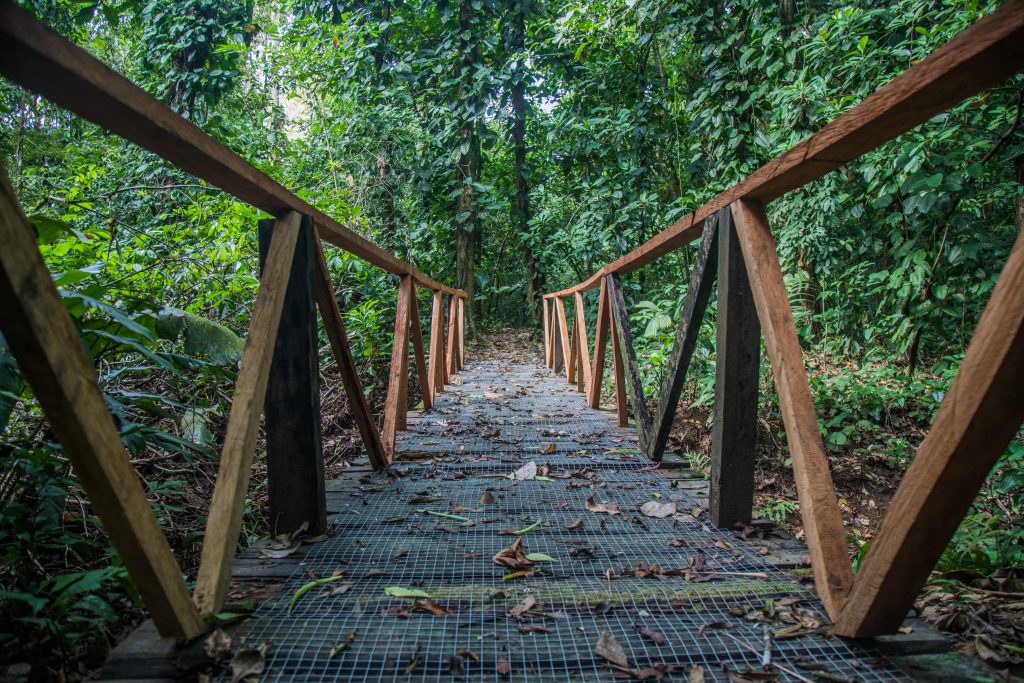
(509, 148)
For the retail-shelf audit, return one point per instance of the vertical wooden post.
(453, 321)
(553, 336)
(600, 342)
(583, 373)
(228, 504)
(547, 332)
(295, 463)
(397, 403)
(50, 354)
(619, 373)
(698, 292)
(563, 336)
(460, 356)
(738, 353)
(334, 325)
(628, 356)
(979, 416)
(819, 509)
(437, 344)
(557, 344)
(574, 354)
(416, 334)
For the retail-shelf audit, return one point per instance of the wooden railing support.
(50, 354)
(437, 345)
(228, 503)
(618, 367)
(600, 342)
(583, 370)
(565, 353)
(574, 353)
(738, 355)
(547, 332)
(450, 352)
(334, 325)
(702, 278)
(416, 329)
(632, 369)
(819, 508)
(295, 462)
(558, 344)
(460, 330)
(396, 404)
(978, 417)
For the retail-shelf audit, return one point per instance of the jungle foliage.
(510, 147)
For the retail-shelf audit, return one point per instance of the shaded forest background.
(510, 147)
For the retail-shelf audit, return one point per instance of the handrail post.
(295, 462)
(738, 352)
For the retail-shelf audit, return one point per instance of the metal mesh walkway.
(674, 593)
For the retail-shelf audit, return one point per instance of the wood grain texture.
(628, 355)
(291, 424)
(737, 371)
(600, 342)
(574, 353)
(460, 331)
(547, 332)
(43, 61)
(228, 503)
(396, 403)
(985, 54)
(558, 344)
(416, 331)
(819, 509)
(437, 344)
(698, 292)
(583, 371)
(618, 372)
(334, 325)
(453, 321)
(43, 339)
(563, 337)
(976, 421)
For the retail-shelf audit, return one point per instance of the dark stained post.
(628, 355)
(738, 350)
(295, 464)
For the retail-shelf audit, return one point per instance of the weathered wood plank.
(396, 403)
(437, 344)
(50, 354)
(228, 503)
(978, 417)
(628, 355)
(558, 347)
(600, 342)
(547, 332)
(453, 321)
(43, 61)
(460, 330)
(334, 325)
(819, 509)
(417, 348)
(295, 462)
(618, 369)
(574, 352)
(563, 336)
(738, 356)
(584, 371)
(702, 278)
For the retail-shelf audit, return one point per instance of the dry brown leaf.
(610, 649)
(248, 663)
(504, 668)
(575, 525)
(513, 557)
(522, 608)
(611, 507)
(549, 449)
(486, 498)
(217, 645)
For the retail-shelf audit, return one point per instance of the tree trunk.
(534, 276)
(467, 219)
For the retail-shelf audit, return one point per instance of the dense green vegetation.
(510, 147)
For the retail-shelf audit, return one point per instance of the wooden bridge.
(710, 575)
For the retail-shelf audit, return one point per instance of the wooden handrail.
(40, 59)
(986, 53)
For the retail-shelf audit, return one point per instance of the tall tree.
(470, 104)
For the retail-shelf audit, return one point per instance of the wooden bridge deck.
(673, 592)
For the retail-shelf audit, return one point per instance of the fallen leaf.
(456, 665)
(513, 557)
(526, 472)
(277, 553)
(610, 649)
(653, 636)
(521, 574)
(493, 394)
(504, 668)
(249, 663)
(549, 449)
(423, 499)
(342, 646)
(535, 629)
(463, 508)
(697, 674)
(612, 508)
(522, 608)
(486, 498)
(431, 607)
(217, 645)
(399, 592)
(575, 525)
(716, 624)
(653, 508)
(540, 557)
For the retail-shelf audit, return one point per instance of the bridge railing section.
(278, 377)
(977, 418)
